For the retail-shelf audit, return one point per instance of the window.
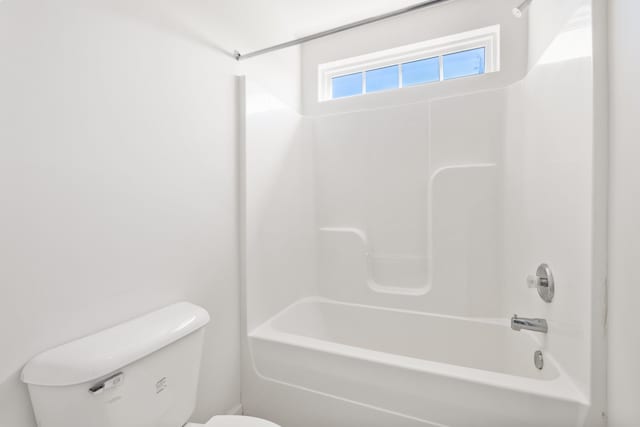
(382, 79)
(348, 85)
(463, 64)
(459, 55)
(420, 72)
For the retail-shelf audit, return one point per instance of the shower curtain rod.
(239, 56)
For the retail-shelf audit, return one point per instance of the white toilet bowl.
(235, 421)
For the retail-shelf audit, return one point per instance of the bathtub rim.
(561, 388)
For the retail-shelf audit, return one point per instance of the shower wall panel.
(408, 207)
(549, 196)
(278, 207)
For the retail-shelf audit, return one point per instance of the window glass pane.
(423, 71)
(346, 85)
(383, 79)
(465, 63)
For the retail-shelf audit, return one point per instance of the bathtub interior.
(409, 229)
(482, 344)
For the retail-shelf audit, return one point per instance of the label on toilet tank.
(161, 384)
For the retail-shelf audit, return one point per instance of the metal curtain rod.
(239, 56)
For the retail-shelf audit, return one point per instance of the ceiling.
(248, 25)
(295, 18)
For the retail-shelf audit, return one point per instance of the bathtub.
(431, 369)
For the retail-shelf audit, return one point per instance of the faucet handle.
(536, 282)
(543, 282)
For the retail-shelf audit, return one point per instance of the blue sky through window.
(458, 64)
(348, 85)
(383, 79)
(462, 64)
(423, 71)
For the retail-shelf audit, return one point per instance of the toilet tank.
(141, 373)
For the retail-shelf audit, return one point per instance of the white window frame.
(487, 38)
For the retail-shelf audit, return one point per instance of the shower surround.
(385, 250)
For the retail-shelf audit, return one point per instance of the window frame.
(487, 38)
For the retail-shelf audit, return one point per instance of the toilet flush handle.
(111, 382)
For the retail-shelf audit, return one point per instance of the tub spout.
(536, 325)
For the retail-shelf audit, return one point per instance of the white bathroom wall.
(118, 178)
(624, 211)
(118, 186)
(550, 199)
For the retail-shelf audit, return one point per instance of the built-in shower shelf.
(400, 274)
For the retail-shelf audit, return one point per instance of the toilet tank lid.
(94, 356)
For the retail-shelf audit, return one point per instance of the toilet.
(141, 373)
(234, 421)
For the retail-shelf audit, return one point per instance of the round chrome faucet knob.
(543, 282)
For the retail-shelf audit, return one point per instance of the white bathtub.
(436, 370)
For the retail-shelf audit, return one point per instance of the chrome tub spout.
(536, 325)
